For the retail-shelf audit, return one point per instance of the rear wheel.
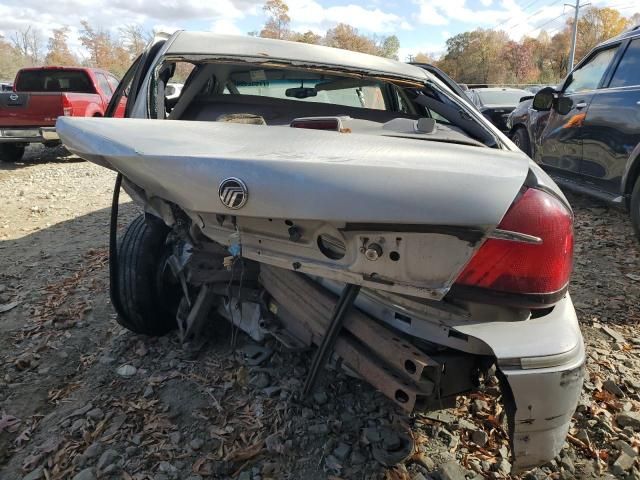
(634, 207)
(147, 296)
(11, 152)
(521, 139)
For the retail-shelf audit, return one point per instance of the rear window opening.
(278, 95)
(54, 81)
(349, 92)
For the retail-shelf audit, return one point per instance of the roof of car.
(266, 49)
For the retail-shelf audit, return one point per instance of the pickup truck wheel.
(521, 138)
(148, 298)
(11, 152)
(634, 207)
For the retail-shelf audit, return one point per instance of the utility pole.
(574, 36)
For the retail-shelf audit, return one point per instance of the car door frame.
(134, 78)
(574, 174)
(604, 88)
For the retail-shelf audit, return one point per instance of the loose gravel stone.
(622, 464)
(196, 443)
(126, 371)
(107, 458)
(480, 438)
(613, 388)
(36, 474)
(451, 471)
(86, 474)
(93, 450)
(95, 414)
(342, 451)
(629, 419)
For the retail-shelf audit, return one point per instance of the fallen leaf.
(245, 453)
(9, 423)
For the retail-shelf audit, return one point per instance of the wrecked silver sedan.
(337, 199)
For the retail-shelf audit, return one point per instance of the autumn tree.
(519, 61)
(557, 53)
(596, 25)
(476, 57)
(58, 49)
(10, 60)
(134, 39)
(422, 57)
(28, 43)
(348, 38)
(104, 51)
(277, 24)
(306, 37)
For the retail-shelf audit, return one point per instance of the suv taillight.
(67, 107)
(533, 258)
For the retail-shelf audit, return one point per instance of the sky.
(421, 25)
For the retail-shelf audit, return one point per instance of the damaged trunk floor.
(82, 398)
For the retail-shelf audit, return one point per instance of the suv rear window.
(54, 81)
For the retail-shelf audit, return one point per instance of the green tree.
(389, 47)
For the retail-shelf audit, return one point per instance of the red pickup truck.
(40, 95)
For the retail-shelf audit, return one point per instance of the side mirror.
(565, 104)
(543, 100)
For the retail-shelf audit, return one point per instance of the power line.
(538, 27)
(540, 10)
(509, 20)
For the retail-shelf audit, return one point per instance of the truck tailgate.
(20, 109)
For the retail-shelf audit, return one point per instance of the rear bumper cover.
(29, 135)
(541, 362)
(543, 402)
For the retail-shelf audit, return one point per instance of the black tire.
(634, 208)
(521, 138)
(11, 152)
(148, 302)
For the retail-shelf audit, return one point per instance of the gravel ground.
(82, 398)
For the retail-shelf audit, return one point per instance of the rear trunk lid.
(396, 214)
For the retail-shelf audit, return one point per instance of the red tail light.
(67, 107)
(536, 259)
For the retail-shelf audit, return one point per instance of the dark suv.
(587, 133)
